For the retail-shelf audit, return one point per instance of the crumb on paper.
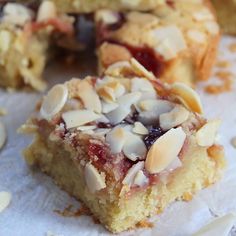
(3, 111)
(144, 224)
(233, 142)
(223, 64)
(232, 47)
(68, 212)
(3, 135)
(5, 199)
(226, 83)
(50, 233)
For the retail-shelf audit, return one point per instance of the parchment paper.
(35, 197)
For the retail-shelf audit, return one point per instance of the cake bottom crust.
(117, 212)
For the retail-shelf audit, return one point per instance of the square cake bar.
(124, 144)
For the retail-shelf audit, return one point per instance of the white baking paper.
(35, 197)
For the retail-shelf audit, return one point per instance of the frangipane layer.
(124, 144)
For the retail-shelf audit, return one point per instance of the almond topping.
(107, 94)
(54, 101)
(94, 180)
(78, 117)
(140, 179)
(139, 128)
(165, 150)
(212, 27)
(187, 96)
(5, 40)
(47, 10)
(3, 135)
(134, 147)
(119, 68)
(142, 19)
(108, 107)
(106, 16)
(5, 199)
(89, 97)
(129, 178)
(196, 36)
(206, 135)
(203, 15)
(175, 117)
(116, 139)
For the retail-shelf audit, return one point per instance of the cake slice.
(226, 15)
(124, 144)
(25, 39)
(176, 41)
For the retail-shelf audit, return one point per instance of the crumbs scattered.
(83, 210)
(3, 111)
(223, 64)
(233, 142)
(226, 83)
(49, 233)
(144, 224)
(5, 199)
(232, 47)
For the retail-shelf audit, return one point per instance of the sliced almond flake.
(160, 154)
(54, 101)
(116, 139)
(129, 178)
(174, 118)
(108, 107)
(130, 4)
(212, 27)
(169, 41)
(94, 180)
(89, 96)
(141, 85)
(139, 128)
(141, 70)
(5, 40)
(129, 99)
(219, 226)
(107, 94)
(140, 179)
(5, 199)
(106, 16)
(187, 96)
(203, 15)
(142, 19)
(117, 69)
(47, 10)
(79, 117)
(196, 36)
(206, 135)
(102, 131)
(3, 135)
(17, 14)
(134, 148)
(86, 127)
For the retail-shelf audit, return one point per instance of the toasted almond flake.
(106, 16)
(212, 27)
(3, 135)
(5, 199)
(119, 114)
(5, 40)
(107, 94)
(219, 226)
(134, 148)
(17, 14)
(108, 107)
(116, 139)
(140, 179)
(169, 40)
(203, 15)
(118, 68)
(141, 85)
(187, 96)
(89, 96)
(206, 135)
(175, 117)
(141, 70)
(54, 101)
(139, 128)
(142, 19)
(47, 10)
(162, 106)
(94, 180)
(160, 154)
(78, 117)
(196, 36)
(129, 178)
(86, 127)
(129, 99)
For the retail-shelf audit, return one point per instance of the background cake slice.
(26, 40)
(177, 40)
(124, 144)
